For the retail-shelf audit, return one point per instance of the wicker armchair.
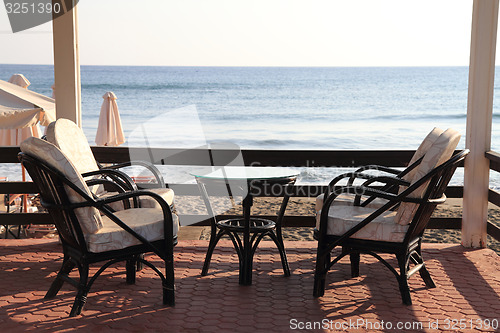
(90, 230)
(360, 229)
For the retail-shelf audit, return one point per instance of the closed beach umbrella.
(20, 80)
(109, 129)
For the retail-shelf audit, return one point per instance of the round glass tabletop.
(248, 173)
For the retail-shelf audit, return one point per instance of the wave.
(204, 87)
(130, 86)
(340, 116)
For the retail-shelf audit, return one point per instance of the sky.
(256, 33)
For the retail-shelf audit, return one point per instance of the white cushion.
(70, 139)
(147, 222)
(166, 193)
(383, 228)
(145, 201)
(440, 151)
(348, 200)
(422, 149)
(89, 217)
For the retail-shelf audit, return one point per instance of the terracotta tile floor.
(468, 291)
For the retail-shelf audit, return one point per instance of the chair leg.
(131, 268)
(424, 273)
(426, 276)
(403, 279)
(140, 265)
(168, 284)
(355, 258)
(81, 295)
(66, 268)
(322, 262)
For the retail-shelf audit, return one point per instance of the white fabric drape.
(109, 129)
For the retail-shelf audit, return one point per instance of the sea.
(314, 108)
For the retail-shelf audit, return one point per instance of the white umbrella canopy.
(14, 137)
(21, 110)
(20, 107)
(109, 129)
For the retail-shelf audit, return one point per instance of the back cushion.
(71, 140)
(440, 151)
(422, 149)
(89, 217)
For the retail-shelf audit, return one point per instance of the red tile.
(217, 303)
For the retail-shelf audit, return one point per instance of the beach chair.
(90, 231)
(365, 230)
(391, 179)
(71, 140)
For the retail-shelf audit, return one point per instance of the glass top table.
(247, 173)
(245, 232)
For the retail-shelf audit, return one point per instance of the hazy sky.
(257, 33)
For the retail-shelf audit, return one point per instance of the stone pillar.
(67, 64)
(479, 118)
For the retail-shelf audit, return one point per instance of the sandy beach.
(305, 207)
(193, 205)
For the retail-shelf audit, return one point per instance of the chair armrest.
(119, 179)
(154, 170)
(388, 180)
(117, 176)
(115, 187)
(379, 168)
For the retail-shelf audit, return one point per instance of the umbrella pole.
(25, 196)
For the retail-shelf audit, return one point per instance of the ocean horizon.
(314, 108)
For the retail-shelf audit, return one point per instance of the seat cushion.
(147, 222)
(383, 228)
(166, 193)
(347, 200)
(145, 201)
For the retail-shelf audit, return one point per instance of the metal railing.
(493, 196)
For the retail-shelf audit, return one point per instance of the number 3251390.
(32, 8)
(455, 324)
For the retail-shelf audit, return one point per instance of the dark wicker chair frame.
(409, 251)
(54, 198)
(156, 173)
(392, 178)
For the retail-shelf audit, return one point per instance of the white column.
(479, 118)
(67, 66)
